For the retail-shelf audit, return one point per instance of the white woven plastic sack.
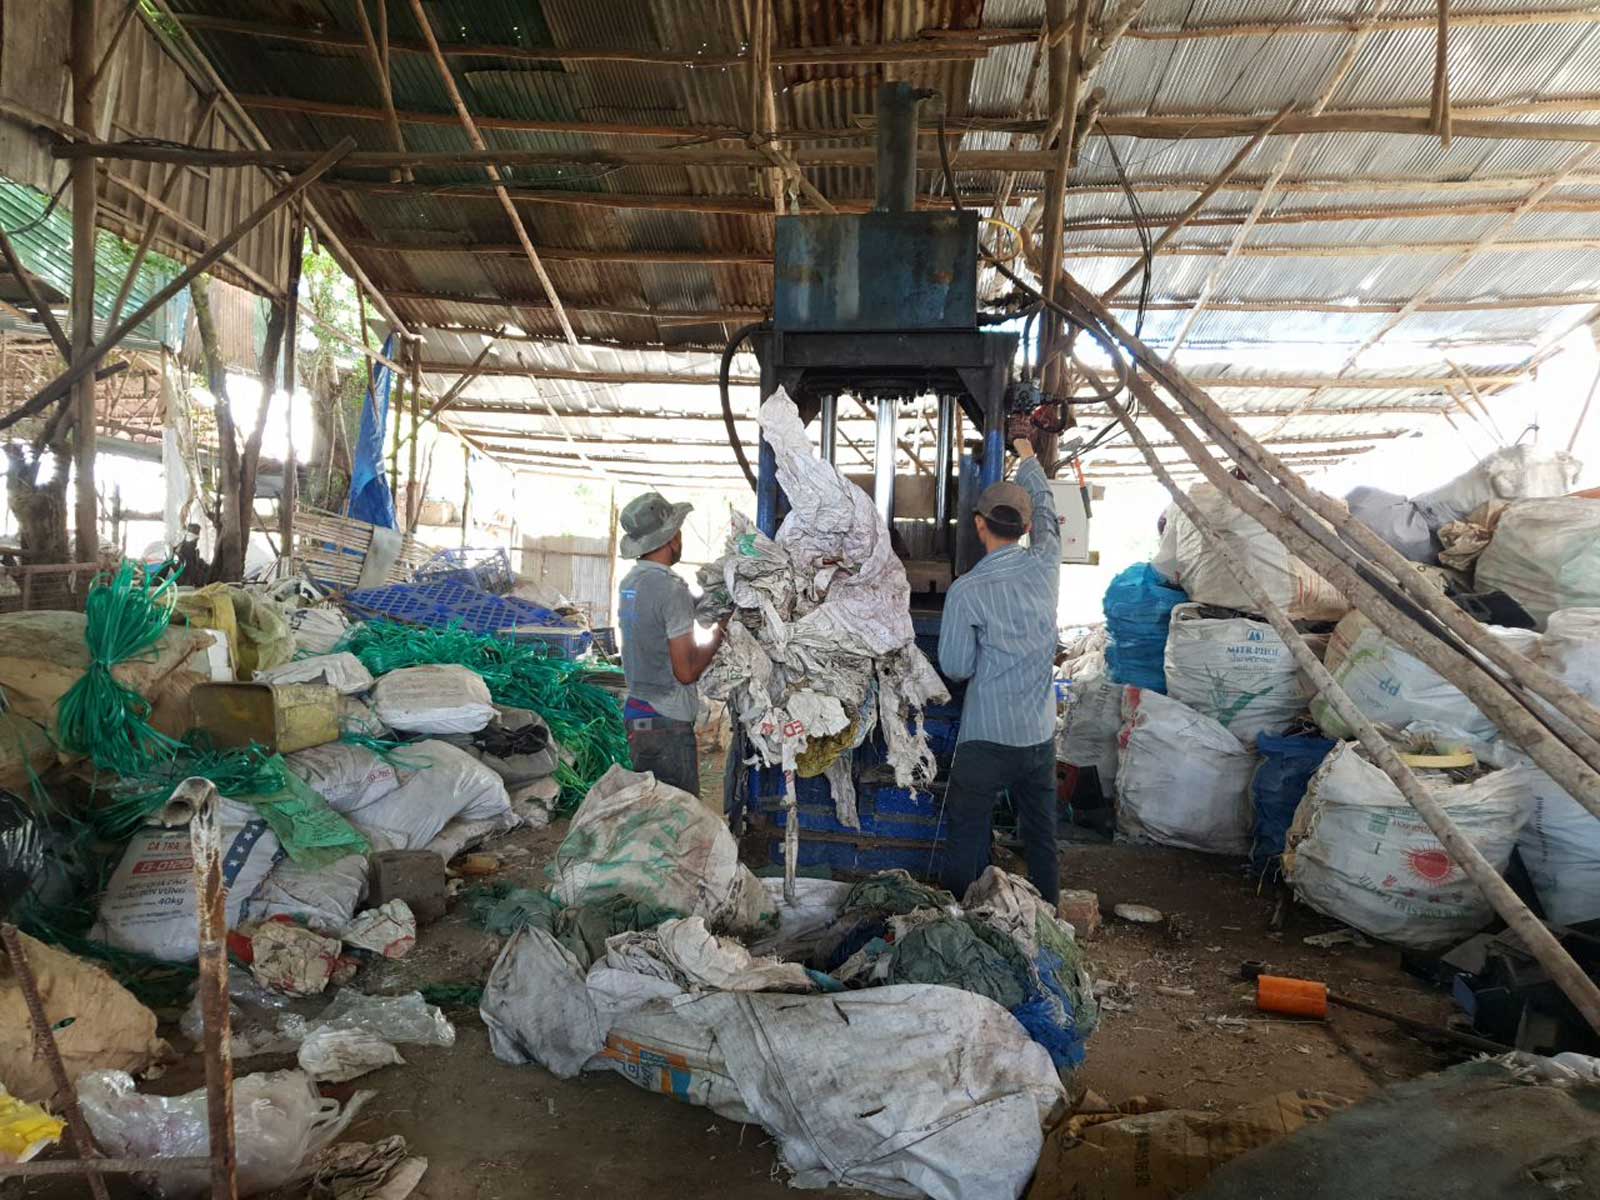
(1091, 729)
(344, 774)
(279, 1122)
(439, 698)
(963, 1120)
(1182, 779)
(1545, 554)
(343, 672)
(149, 904)
(1361, 854)
(1234, 670)
(324, 898)
(635, 836)
(1571, 648)
(1560, 846)
(439, 783)
(1394, 689)
(1293, 586)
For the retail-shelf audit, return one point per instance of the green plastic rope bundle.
(243, 772)
(584, 718)
(100, 718)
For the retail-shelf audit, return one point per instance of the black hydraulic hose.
(728, 352)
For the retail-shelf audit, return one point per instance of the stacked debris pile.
(1224, 748)
(820, 650)
(655, 955)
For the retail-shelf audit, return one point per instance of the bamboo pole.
(80, 372)
(30, 288)
(60, 385)
(914, 50)
(377, 63)
(1311, 526)
(1575, 984)
(288, 497)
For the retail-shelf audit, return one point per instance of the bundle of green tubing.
(99, 717)
(243, 772)
(583, 717)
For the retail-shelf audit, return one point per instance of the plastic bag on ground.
(291, 959)
(97, 1022)
(437, 698)
(338, 1055)
(1137, 605)
(1560, 847)
(389, 930)
(324, 898)
(1235, 670)
(279, 1121)
(1182, 779)
(637, 837)
(684, 953)
(149, 904)
(1293, 586)
(1358, 851)
(407, 1019)
(1571, 648)
(342, 671)
(1546, 555)
(438, 783)
(537, 1006)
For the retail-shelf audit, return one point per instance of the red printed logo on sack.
(162, 866)
(1432, 866)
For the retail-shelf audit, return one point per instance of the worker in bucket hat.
(660, 657)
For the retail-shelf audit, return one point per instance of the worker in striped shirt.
(999, 634)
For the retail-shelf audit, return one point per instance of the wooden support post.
(397, 398)
(413, 499)
(289, 495)
(60, 385)
(85, 200)
(448, 78)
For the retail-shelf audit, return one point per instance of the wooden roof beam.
(323, 37)
(1277, 382)
(447, 77)
(664, 316)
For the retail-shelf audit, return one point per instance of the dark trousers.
(667, 749)
(981, 774)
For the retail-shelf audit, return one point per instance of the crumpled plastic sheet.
(823, 641)
(279, 1122)
(338, 1055)
(408, 1019)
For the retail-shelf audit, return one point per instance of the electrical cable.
(728, 352)
(30, 226)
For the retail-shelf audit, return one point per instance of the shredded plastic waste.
(585, 718)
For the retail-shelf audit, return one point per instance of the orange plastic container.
(1291, 997)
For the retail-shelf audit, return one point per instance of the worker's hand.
(1023, 447)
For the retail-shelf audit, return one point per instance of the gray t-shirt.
(653, 607)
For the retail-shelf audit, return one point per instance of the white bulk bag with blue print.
(1234, 670)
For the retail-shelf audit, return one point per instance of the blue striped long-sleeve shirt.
(999, 630)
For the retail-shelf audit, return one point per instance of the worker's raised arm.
(1045, 533)
(689, 658)
(958, 639)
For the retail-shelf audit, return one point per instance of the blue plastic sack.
(370, 500)
(1287, 765)
(1138, 605)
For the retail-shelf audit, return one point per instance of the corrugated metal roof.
(1255, 75)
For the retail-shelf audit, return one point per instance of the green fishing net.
(585, 718)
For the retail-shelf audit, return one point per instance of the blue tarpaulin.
(369, 491)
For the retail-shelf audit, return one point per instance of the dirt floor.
(1179, 1024)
